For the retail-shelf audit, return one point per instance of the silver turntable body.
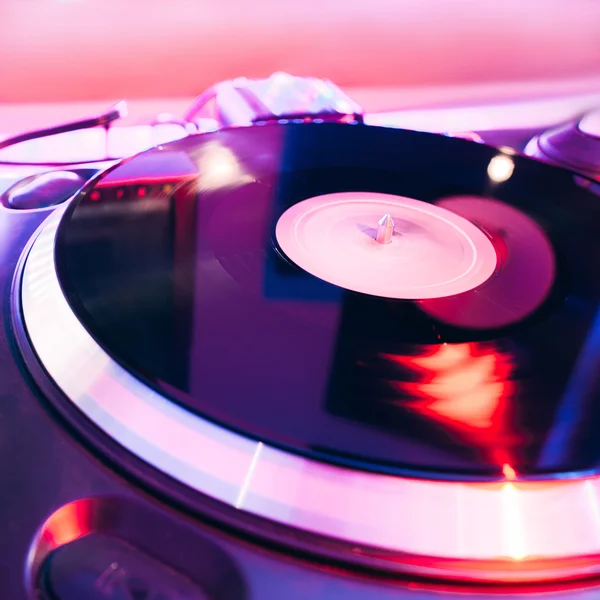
(76, 524)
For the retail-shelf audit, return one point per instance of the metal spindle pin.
(385, 229)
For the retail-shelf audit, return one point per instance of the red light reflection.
(68, 524)
(509, 473)
(466, 388)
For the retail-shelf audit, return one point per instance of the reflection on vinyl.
(174, 263)
(528, 268)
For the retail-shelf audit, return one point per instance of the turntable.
(294, 352)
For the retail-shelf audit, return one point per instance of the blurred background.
(57, 50)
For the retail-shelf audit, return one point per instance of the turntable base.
(127, 483)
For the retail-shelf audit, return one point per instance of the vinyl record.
(248, 275)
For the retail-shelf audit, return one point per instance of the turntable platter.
(184, 281)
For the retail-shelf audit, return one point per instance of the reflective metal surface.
(385, 229)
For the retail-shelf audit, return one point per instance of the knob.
(43, 191)
(574, 145)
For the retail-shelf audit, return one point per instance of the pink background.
(94, 49)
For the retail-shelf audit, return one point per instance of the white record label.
(433, 252)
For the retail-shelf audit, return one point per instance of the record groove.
(190, 290)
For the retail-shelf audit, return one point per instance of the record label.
(431, 252)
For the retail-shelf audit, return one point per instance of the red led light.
(142, 191)
(120, 193)
(95, 196)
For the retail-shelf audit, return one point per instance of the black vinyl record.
(172, 262)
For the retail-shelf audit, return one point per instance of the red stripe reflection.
(466, 388)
